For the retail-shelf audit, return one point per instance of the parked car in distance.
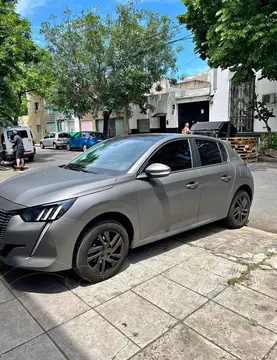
(55, 140)
(28, 141)
(122, 193)
(83, 140)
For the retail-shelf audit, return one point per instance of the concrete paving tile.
(96, 294)
(136, 318)
(182, 343)
(273, 354)
(170, 297)
(203, 282)
(21, 281)
(90, 337)
(17, 326)
(40, 348)
(250, 304)
(250, 248)
(54, 306)
(163, 260)
(206, 261)
(264, 282)
(5, 294)
(272, 262)
(232, 332)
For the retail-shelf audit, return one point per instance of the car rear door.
(216, 180)
(169, 203)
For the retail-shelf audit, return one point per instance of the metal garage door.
(143, 125)
(119, 129)
(51, 127)
(99, 125)
(86, 125)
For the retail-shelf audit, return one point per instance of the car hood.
(52, 184)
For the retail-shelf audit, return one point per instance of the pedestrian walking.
(18, 149)
(186, 129)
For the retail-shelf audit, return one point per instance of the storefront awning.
(159, 115)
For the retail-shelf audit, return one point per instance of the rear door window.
(52, 135)
(209, 152)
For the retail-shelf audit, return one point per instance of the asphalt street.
(264, 209)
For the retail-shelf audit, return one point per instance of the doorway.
(162, 124)
(192, 112)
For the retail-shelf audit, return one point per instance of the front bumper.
(40, 246)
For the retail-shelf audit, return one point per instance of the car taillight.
(4, 146)
(58, 139)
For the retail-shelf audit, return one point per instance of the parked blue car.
(83, 140)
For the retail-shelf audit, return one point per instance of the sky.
(38, 11)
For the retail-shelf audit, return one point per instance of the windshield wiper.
(88, 171)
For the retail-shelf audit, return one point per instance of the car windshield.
(111, 157)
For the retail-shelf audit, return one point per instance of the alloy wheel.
(241, 209)
(106, 252)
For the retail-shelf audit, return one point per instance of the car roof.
(167, 136)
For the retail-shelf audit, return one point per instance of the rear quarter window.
(224, 153)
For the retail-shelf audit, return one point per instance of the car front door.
(216, 180)
(45, 140)
(170, 203)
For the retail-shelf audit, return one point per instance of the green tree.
(105, 64)
(19, 56)
(263, 113)
(237, 34)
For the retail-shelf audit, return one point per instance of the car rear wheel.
(31, 158)
(55, 146)
(101, 251)
(84, 148)
(239, 210)
(68, 147)
(42, 145)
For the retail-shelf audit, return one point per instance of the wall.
(263, 87)
(219, 105)
(37, 121)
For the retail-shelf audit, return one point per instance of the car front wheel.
(101, 251)
(239, 210)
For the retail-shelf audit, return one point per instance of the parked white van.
(25, 133)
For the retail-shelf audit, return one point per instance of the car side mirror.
(157, 170)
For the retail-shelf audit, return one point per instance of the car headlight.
(48, 212)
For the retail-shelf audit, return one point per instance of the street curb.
(258, 231)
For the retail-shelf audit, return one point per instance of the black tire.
(42, 146)
(55, 146)
(31, 158)
(84, 147)
(68, 147)
(101, 236)
(239, 210)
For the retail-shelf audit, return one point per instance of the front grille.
(4, 220)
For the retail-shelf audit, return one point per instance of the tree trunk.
(106, 117)
(126, 119)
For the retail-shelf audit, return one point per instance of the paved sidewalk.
(209, 294)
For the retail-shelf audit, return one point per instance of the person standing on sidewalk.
(186, 129)
(18, 149)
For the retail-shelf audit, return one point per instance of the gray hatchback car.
(120, 194)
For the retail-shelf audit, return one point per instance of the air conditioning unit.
(269, 98)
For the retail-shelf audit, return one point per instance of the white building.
(208, 96)
(57, 121)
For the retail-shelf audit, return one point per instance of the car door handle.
(192, 185)
(226, 178)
